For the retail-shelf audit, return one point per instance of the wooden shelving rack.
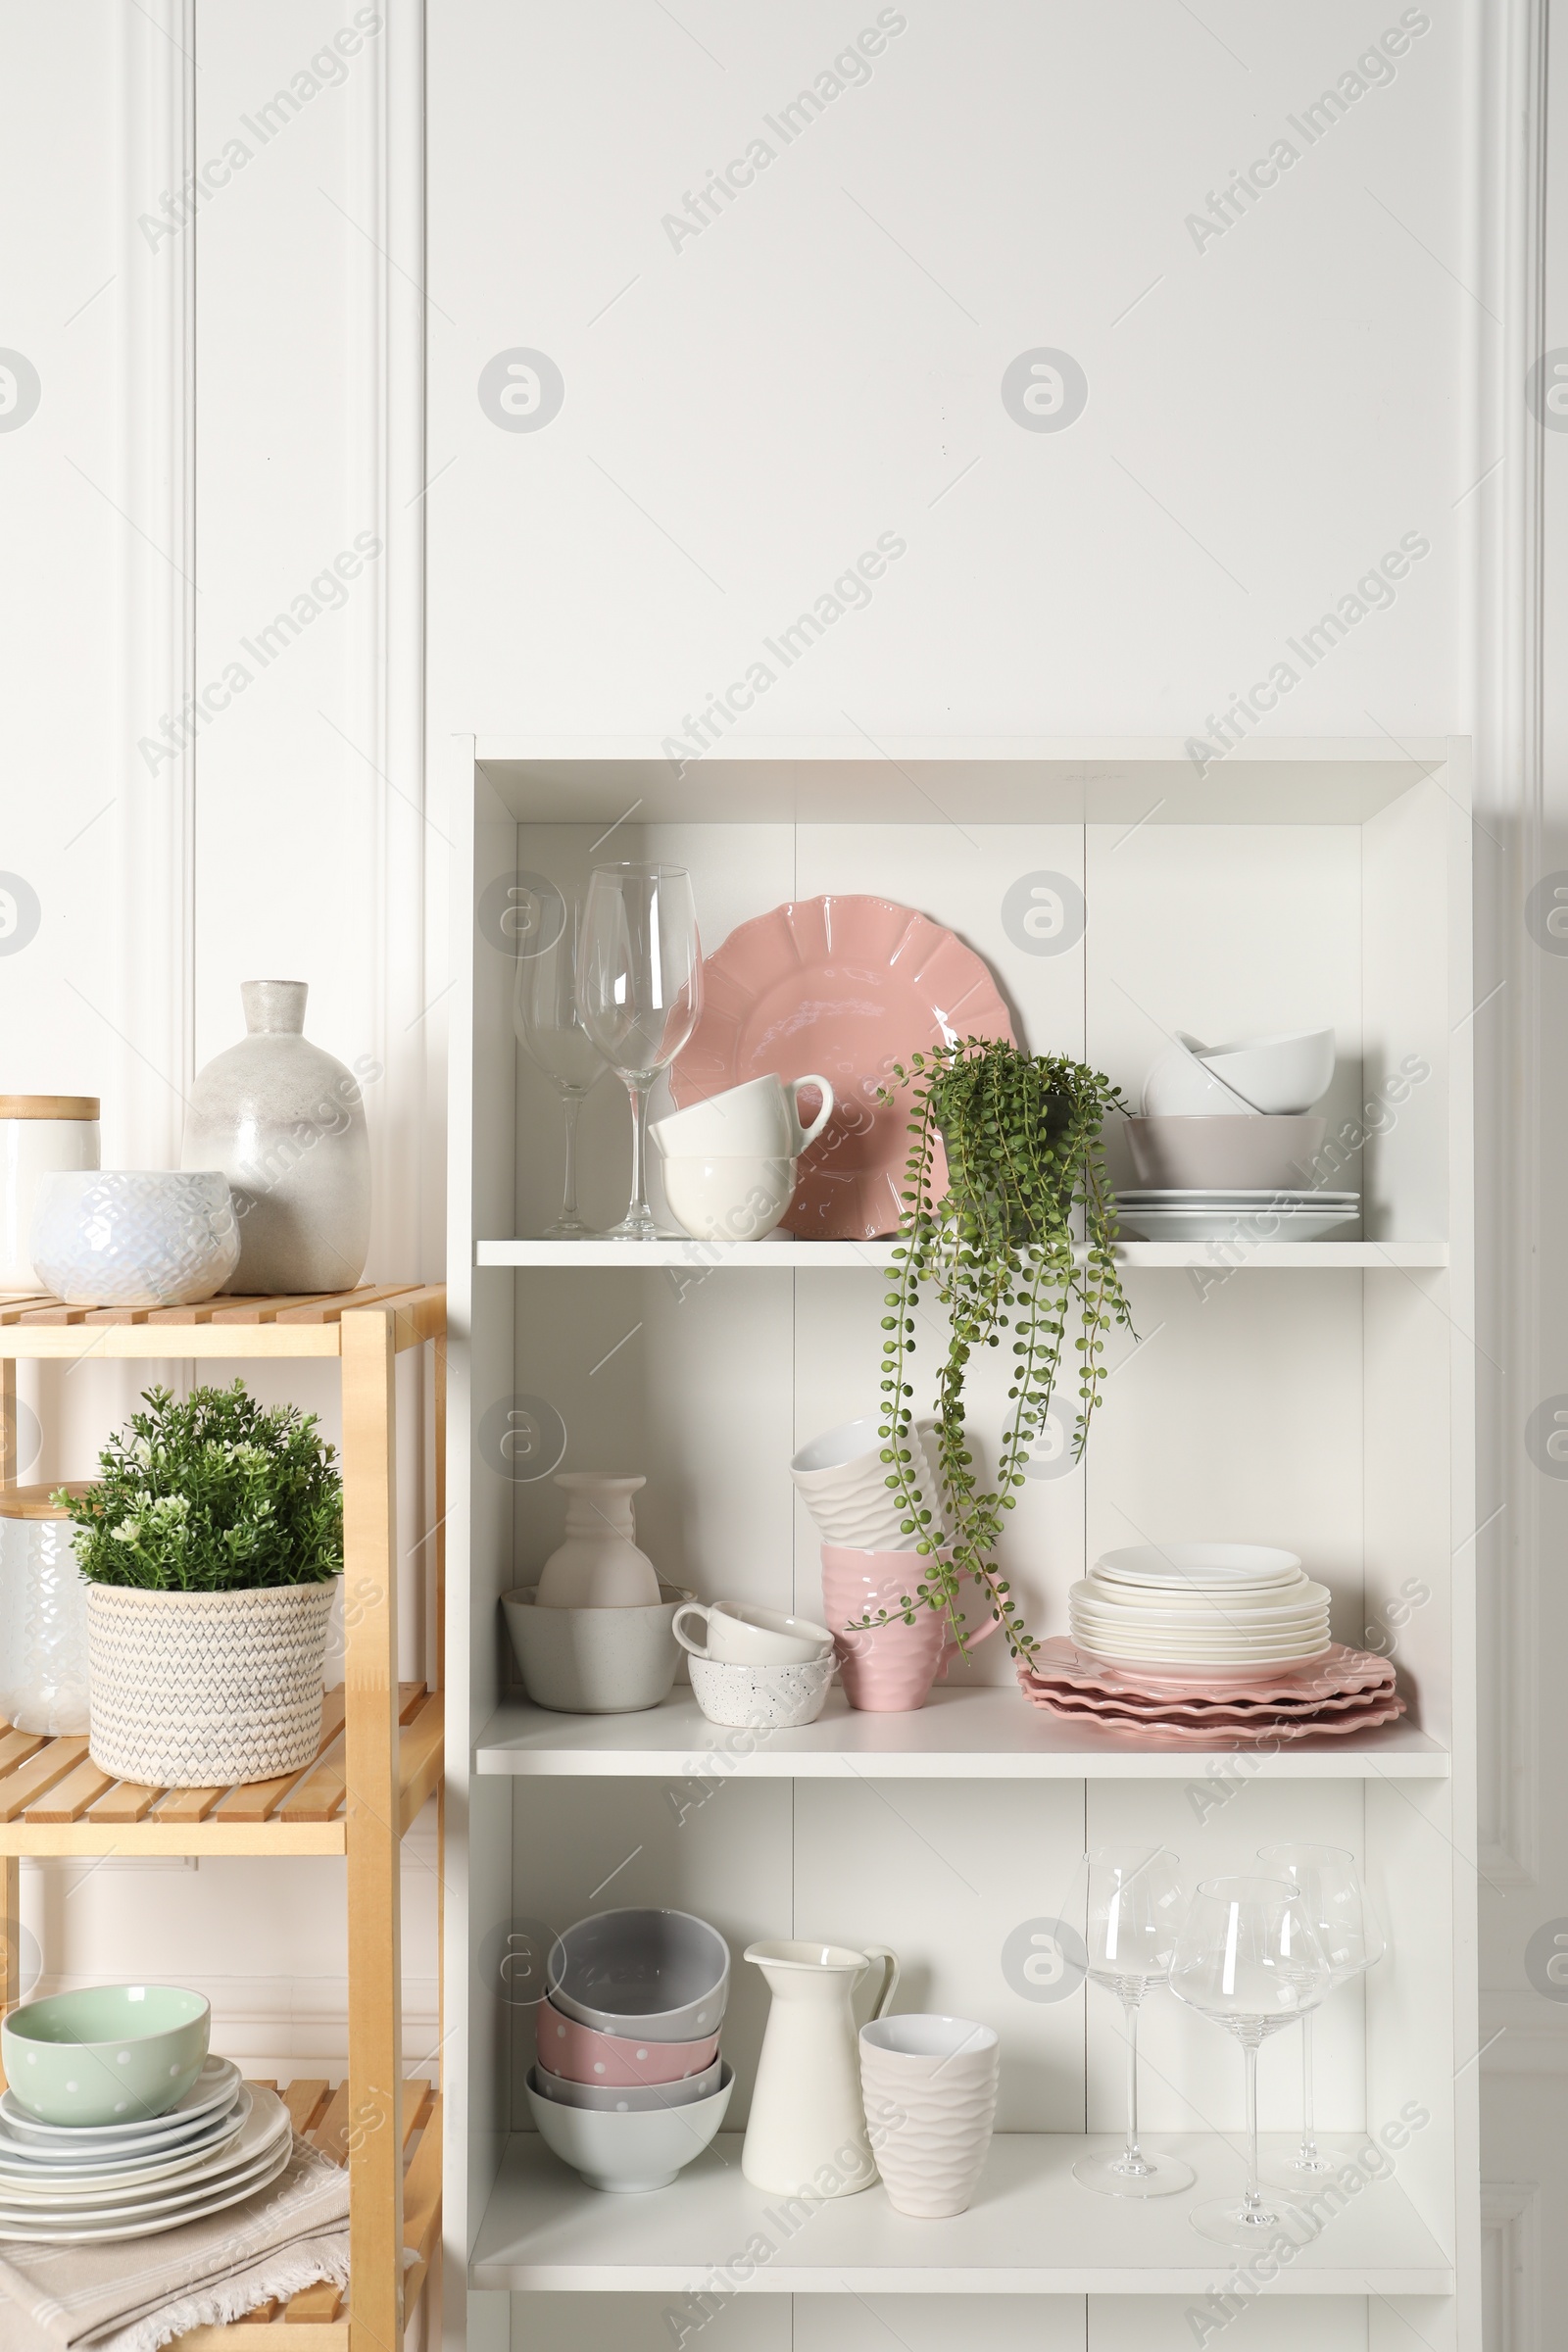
(379, 1761)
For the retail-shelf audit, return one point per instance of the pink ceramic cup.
(887, 1669)
(584, 2055)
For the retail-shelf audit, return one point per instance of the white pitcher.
(807, 2134)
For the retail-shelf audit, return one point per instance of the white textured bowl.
(1275, 1074)
(629, 2152)
(1179, 1086)
(765, 1698)
(128, 1237)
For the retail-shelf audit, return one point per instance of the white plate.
(217, 2080)
(105, 2232)
(1176, 1196)
(1200, 1567)
(267, 2125)
(35, 2155)
(1225, 1225)
(42, 2180)
(1134, 1654)
(1254, 1603)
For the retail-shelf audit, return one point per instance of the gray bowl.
(661, 1974)
(626, 2098)
(630, 2151)
(595, 1661)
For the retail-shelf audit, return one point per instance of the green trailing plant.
(215, 1492)
(1021, 1132)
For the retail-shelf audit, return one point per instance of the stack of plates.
(1235, 1216)
(64, 2185)
(1341, 1692)
(1194, 1607)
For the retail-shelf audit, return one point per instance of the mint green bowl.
(109, 2054)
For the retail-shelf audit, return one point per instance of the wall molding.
(1511, 2256)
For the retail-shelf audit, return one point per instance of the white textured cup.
(764, 1699)
(842, 1480)
(739, 1635)
(930, 2089)
(761, 1119)
(728, 1199)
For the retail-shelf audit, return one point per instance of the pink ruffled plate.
(847, 987)
(1337, 1671)
(1247, 1733)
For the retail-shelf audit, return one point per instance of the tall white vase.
(286, 1123)
(807, 2134)
(599, 1566)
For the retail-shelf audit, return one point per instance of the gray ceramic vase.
(286, 1123)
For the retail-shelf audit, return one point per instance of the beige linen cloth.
(134, 2294)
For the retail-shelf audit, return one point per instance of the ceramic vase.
(285, 1124)
(599, 1566)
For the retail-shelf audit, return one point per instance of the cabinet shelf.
(979, 1735)
(54, 1799)
(1032, 2231)
(703, 1258)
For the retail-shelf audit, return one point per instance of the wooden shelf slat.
(318, 1796)
(331, 2134)
(126, 1802)
(189, 1805)
(54, 1759)
(16, 1748)
(331, 1308)
(69, 1799)
(258, 1800)
(305, 2099)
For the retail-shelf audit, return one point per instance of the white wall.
(222, 410)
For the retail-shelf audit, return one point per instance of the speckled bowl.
(762, 1698)
(107, 2053)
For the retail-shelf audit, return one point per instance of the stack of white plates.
(1199, 1606)
(1235, 1216)
(64, 2184)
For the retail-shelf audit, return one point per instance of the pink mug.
(887, 1669)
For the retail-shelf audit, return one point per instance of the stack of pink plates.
(1340, 1692)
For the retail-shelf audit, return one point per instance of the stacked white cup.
(730, 1162)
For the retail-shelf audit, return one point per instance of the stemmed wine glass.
(1345, 1925)
(1247, 1957)
(548, 1019)
(640, 987)
(1132, 1902)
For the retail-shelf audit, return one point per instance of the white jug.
(807, 2134)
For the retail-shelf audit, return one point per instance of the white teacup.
(728, 1199)
(761, 1119)
(741, 1635)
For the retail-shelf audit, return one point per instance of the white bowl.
(1179, 1086)
(1254, 1153)
(629, 2152)
(595, 1661)
(660, 1973)
(128, 1237)
(728, 1199)
(626, 2098)
(1276, 1074)
(765, 1698)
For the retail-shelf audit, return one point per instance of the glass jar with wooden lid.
(39, 1134)
(43, 1613)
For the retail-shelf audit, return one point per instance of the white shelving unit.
(1316, 1395)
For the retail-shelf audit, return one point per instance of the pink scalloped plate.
(1337, 1671)
(1224, 1734)
(845, 987)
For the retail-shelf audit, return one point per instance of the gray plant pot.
(595, 1661)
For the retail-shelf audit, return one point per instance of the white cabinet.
(1311, 1396)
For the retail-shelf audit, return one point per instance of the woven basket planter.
(204, 1690)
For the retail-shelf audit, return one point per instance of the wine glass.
(1248, 1958)
(548, 1019)
(1346, 1925)
(640, 987)
(1132, 1902)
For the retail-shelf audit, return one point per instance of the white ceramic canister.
(40, 1134)
(43, 1614)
